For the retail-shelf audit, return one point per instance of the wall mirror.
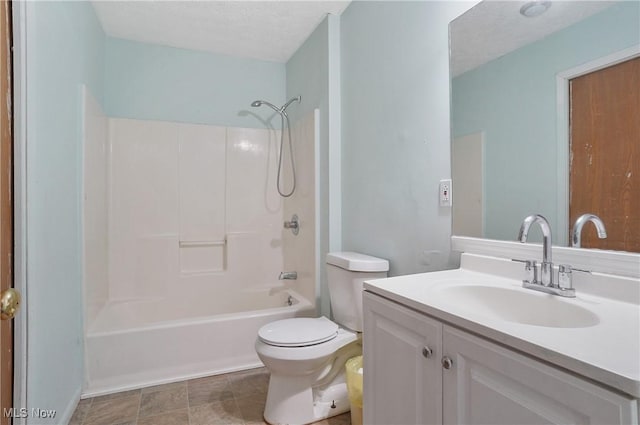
(511, 123)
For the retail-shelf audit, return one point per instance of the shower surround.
(183, 245)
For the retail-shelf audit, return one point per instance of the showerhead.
(257, 103)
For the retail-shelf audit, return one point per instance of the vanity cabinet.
(402, 372)
(418, 370)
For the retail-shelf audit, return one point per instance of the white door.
(467, 174)
(401, 362)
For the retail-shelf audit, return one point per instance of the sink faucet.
(288, 276)
(580, 222)
(546, 269)
(546, 284)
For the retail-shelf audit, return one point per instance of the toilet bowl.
(306, 356)
(306, 382)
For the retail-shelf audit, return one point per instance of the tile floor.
(235, 398)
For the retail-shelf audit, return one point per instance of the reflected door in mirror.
(605, 154)
(467, 154)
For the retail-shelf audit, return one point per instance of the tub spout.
(288, 276)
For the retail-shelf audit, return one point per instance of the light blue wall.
(309, 72)
(395, 131)
(147, 81)
(513, 100)
(65, 48)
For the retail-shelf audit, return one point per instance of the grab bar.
(186, 244)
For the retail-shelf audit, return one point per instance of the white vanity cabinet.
(490, 384)
(467, 379)
(402, 372)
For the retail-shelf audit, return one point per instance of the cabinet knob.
(427, 352)
(447, 363)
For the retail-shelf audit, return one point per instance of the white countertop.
(607, 352)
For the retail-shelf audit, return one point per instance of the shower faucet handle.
(293, 224)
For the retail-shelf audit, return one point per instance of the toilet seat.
(298, 332)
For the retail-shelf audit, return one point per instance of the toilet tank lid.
(356, 262)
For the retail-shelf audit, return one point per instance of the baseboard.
(105, 388)
(60, 417)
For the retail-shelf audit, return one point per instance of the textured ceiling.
(264, 30)
(494, 28)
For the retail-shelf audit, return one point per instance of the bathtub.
(136, 344)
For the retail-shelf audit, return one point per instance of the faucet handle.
(565, 276)
(581, 270)
(530, 270)
(293, 224)
(565, 279)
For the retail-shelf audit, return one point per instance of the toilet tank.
(346, 272)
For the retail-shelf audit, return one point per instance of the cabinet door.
(402, 385)
(489, 384)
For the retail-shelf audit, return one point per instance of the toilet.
(306, 356)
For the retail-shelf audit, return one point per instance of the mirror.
(510, 120)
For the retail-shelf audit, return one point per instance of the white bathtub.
(140, 343)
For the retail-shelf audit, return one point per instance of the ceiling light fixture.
(534, 8)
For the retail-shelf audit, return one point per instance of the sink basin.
(520, 306)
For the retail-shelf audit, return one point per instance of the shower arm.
(289, 102)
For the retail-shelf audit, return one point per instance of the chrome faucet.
(546, 283)
(546, 269)
(288, 276)
(580, 222)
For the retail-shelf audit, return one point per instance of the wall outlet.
(445, 193)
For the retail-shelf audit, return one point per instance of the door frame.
(563, 130)
(20, 204)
